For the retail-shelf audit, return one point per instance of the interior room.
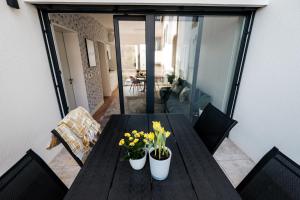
(89, 70)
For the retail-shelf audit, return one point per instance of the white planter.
(159, 168)
(139, 163)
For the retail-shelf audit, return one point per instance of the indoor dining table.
(194, 174)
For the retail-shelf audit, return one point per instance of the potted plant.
(159, 154)
(134, 143)
(171, 78)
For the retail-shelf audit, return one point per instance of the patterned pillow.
(76, 145)
(82, 124)
(184, 94)
(176, 87)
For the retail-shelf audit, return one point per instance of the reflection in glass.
(133, 62)
(187, 76)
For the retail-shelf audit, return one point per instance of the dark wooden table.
(194, 174)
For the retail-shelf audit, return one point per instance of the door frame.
(53, 26)
(150, 48)
(148, 11)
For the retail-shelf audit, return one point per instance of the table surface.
(194, 174)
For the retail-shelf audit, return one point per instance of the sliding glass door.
(177, 64)
(131, 60)
(177, 39)
(195, 61)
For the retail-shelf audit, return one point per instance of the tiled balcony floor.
(232, 160)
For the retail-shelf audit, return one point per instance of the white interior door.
(65, 69)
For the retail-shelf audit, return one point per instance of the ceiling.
(130, 31)
(105, 19)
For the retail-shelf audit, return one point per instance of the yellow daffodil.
(131, 144)
(135, 140)
(167, 134)
(130, 138)
(127, 135)
(137, 135)
(156, 125)
(151, 136)
(134, 131)
(145, 141)
(122, 142)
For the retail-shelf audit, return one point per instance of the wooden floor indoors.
(107, 102)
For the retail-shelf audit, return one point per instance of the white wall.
(218, 52)
(28, 104)
(76, 69)
(104, 69)
(268, 104)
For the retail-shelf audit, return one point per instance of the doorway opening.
(95, 57)
(171, 60)
(70, 63)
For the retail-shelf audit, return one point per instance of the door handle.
(71, 81)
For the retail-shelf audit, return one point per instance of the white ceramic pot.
(138, 163)
(159, 168)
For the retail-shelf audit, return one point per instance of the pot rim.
(152, 149)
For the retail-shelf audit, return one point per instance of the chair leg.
(133, 88)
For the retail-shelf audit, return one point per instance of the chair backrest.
(213, 126)
(274, 177)
(66, 145)
(78, 131)
(30, 178)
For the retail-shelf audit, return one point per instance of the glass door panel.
(133, 65)
(195, 60)
(176, 39)
(220, 42)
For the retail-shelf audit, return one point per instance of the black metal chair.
(31, 179)
(275, 177)
(213, 126)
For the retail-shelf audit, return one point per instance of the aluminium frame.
(149, 12)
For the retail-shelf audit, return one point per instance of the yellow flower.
(131, 144)
(121, 142)
(167, 134)
(137, 135)
(134, 131)
(142, 133)
(127, 135)
(151, 136)
(156, 125)
(135, 140)
(130, 138)
(145, 141)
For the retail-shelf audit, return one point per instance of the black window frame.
(148, 11)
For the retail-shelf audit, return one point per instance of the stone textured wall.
(86, 27)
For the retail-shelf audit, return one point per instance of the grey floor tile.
(229, 151)
(65, 167)
(236, 170)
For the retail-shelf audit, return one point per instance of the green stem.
(159, 153)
